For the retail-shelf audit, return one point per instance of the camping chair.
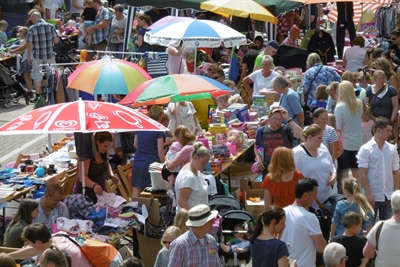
(117, 189)
(123, 173)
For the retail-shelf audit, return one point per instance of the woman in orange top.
(281, 179)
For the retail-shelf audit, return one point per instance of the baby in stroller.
(239, 242)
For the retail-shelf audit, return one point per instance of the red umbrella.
(80, 116)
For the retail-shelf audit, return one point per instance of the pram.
(226, 230)
(10, 89)
(65, 49)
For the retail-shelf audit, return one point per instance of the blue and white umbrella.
(195, 33)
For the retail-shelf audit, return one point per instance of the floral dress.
(182, 116)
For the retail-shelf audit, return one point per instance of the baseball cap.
(273, 44)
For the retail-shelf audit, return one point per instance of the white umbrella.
(195, 33)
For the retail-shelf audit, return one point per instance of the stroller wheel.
(15, 100)
(7, 103)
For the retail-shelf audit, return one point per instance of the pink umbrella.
(80, 116)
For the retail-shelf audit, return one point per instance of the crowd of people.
(345, 140)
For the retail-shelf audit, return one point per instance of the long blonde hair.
(180, 220)
(282, 162)
(348, 98)
(352, 186)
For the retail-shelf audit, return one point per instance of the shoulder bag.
(371, 262)
(377, 93)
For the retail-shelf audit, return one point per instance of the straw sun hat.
(199, 215)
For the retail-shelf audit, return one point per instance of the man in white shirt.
(379, 168)
(51, 7)
(302, 231)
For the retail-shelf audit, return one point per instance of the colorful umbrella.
(195, 33)
(166, 20)
(359, 8)
(80, 116)
(107, 76)
(240, 8)
(175, 88)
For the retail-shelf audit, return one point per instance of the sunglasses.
(209, 69)
(166, 242)
(394, 38)
(216, 77)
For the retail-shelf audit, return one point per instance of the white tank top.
(355, 58)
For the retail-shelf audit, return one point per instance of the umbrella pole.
(195, 61)
(83, 177)
(49, 143)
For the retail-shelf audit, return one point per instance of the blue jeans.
(117, 48)
(384, 209)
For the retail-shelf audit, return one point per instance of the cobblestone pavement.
(11, 146)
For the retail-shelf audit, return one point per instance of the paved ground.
(11, 146)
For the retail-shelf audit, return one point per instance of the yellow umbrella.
(240, 8)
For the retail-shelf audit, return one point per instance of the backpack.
(100, 254)
(127, 139)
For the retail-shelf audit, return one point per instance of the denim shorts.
(348, 160)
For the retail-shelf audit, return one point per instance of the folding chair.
(68, 180)
(21, 159)
(117, 189)
(123, 173)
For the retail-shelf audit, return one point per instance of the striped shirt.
(188, 250)
(41, 35)
(101, 35)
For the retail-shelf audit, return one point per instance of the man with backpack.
(273, 134)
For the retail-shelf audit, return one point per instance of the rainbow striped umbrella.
(107, 76)
(174, 88)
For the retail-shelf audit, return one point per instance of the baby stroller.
(226, 231)
(10, 89)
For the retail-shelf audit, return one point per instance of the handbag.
(371, 262)
(324, 217)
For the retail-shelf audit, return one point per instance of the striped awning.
(359, 8)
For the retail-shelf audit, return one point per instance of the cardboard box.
(255, 208)
(242, 171)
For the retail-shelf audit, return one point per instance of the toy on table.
(239, 242)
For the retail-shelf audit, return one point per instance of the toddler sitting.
(239, 242)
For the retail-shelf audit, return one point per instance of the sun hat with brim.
(199, 215)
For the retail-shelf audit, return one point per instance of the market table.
(226, 166)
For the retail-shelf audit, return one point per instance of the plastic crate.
(216, 165)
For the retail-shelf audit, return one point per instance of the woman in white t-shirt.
(191, 187)
(313, 160)
(261, 78)
(389, 236)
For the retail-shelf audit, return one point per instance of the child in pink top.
(367, 123)
(180, 148)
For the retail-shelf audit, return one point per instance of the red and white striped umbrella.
(358, 9)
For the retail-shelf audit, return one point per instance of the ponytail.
(353, 187)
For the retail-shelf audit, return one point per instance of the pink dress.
(367, 130)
